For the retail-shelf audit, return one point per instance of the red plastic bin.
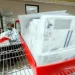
(62, 68)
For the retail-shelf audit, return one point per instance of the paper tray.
(61, 68)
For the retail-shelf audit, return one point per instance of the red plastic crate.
(62, 68)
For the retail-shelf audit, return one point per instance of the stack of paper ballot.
(50, 37)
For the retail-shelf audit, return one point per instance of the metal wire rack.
(13, 60)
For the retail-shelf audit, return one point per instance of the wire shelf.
(13, 61)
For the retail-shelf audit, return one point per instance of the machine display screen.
(62, 24)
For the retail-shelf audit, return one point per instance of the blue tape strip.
(66, 38)
(69, 38)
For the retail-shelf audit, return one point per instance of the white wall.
(19, 7)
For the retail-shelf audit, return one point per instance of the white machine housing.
(47, 36)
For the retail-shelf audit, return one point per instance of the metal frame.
(31, 5)
(1, 21)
